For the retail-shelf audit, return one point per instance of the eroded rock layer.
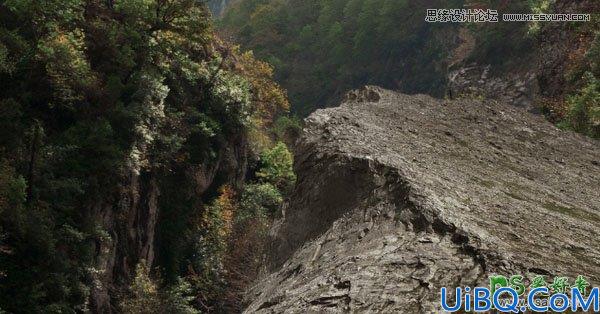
(398, 196)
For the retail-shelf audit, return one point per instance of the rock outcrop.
(474, 81)
(132, 218)
(398, 196)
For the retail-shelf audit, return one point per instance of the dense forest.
(108, 111)
(320, 49)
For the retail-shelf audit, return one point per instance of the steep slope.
(133, 219)
(400, 195)
(322, 48)
(123, 124)
(542, 67)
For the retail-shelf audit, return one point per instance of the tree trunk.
(35, 139)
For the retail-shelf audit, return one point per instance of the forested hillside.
(137, 169)
(321, 48)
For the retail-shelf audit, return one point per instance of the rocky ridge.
(398, 196)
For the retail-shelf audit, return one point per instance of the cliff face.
(132, 218)
(217, 7)
(398, 196)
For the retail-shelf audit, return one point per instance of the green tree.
(144, 293)
(178, 298)
(260, 200)
(584, 108)
(277, 167)
(145, 297)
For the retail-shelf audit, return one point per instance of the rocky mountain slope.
(398, 196)
(540, 78)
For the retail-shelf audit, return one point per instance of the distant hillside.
(322, 48)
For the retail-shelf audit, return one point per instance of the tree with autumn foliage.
(94, 92)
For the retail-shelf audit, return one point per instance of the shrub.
(177, 299)
(287, 128)
(146, 298)
(259, 200)
(584, 108)
(593, 55)
(277, 167)
(144, 293)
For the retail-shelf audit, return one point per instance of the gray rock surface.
(398, 196)
(475, 81)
